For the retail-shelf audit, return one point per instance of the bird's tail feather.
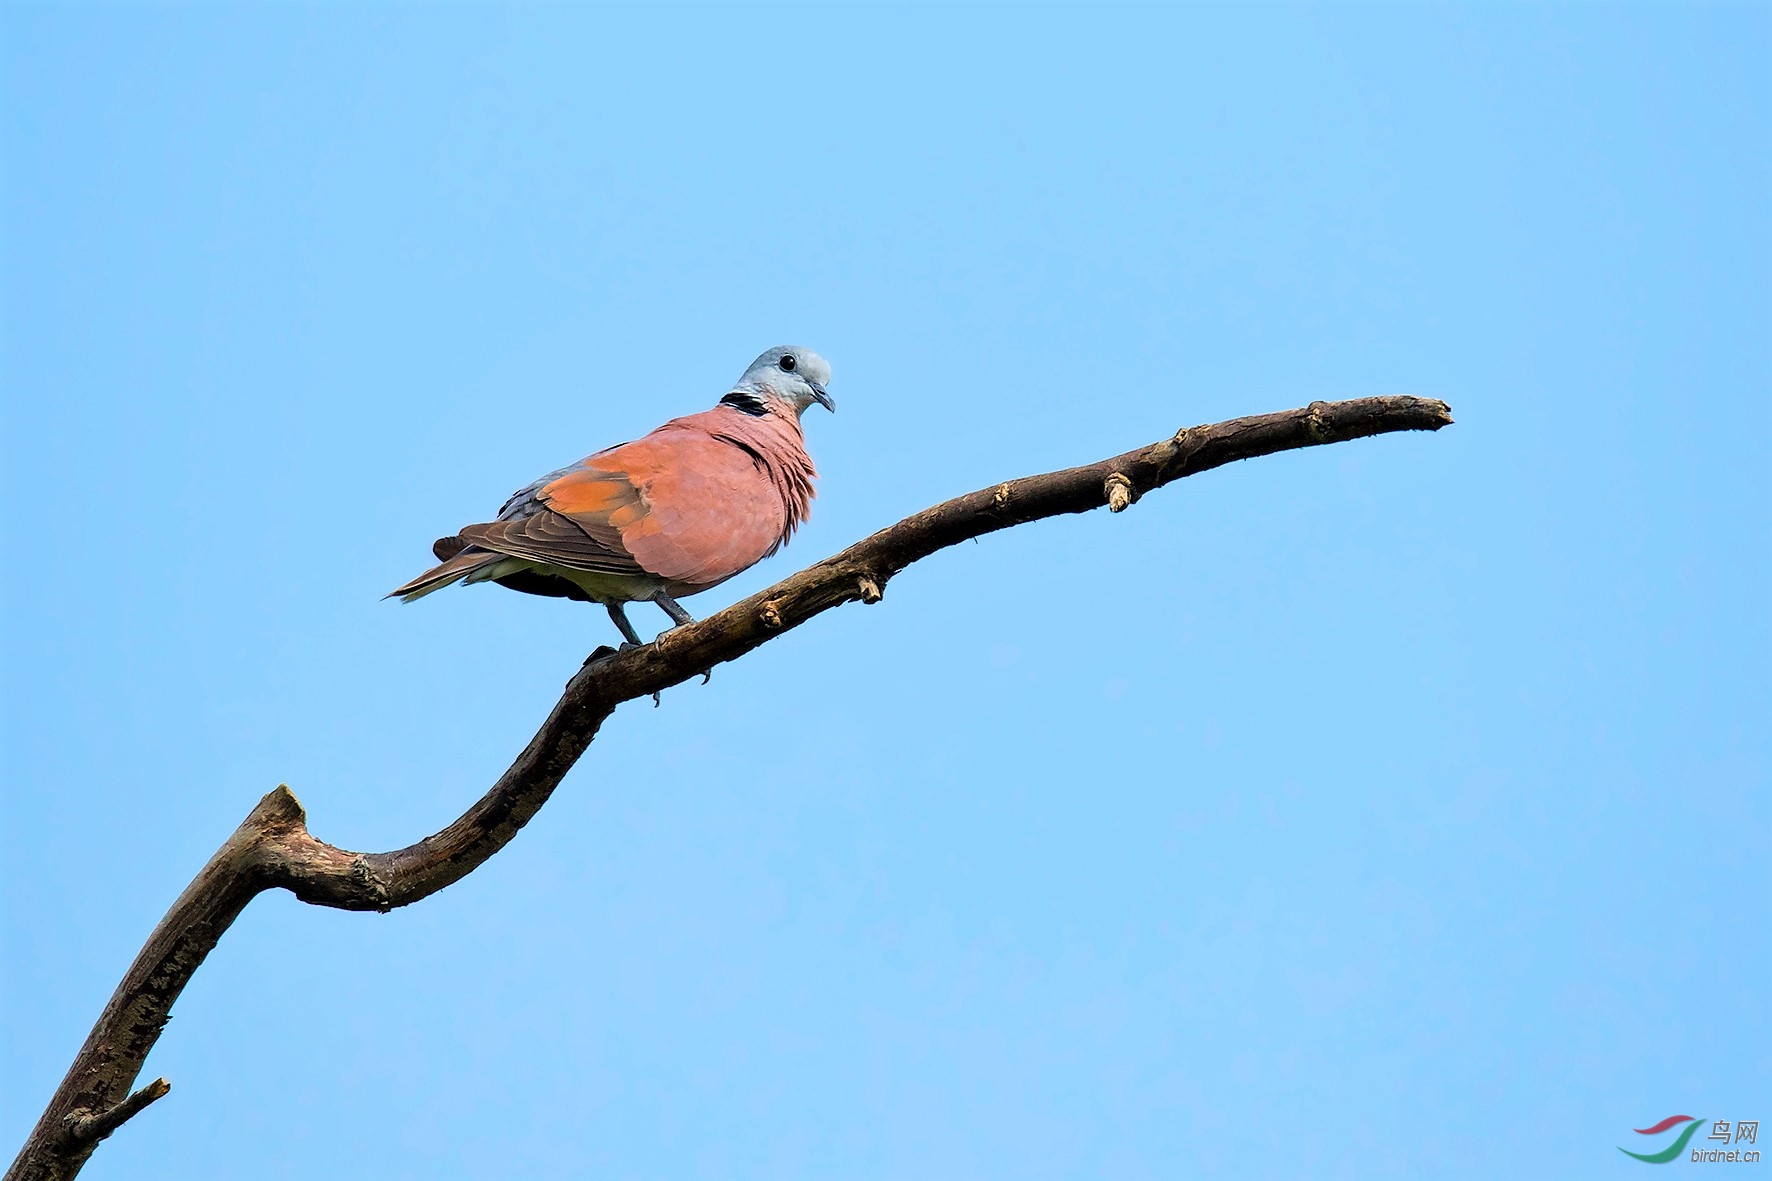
(459, 561)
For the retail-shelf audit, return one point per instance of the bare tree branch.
(273, 848)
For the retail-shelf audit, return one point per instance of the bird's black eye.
(787, 363)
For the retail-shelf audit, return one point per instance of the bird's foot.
(604, 652)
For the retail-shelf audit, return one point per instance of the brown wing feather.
(601, 497)
(574, 521)
(553, 538)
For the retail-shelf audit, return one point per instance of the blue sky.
(1393, 809)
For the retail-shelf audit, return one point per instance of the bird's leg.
(620, 617)
(679, 616)
(672, 608)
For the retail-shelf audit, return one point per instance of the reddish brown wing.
(598, 498)
(583, 540)
(690, 507)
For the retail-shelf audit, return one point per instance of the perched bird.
(698, 500)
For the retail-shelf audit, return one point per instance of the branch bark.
(273, 849)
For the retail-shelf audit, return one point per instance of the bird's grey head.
(790, 374)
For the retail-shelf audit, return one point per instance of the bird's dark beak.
(822, 398)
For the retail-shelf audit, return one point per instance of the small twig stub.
(1120, 492)
(86, 1127)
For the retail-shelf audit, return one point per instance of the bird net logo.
(1706, 1153)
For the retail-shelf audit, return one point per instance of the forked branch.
(273, 848)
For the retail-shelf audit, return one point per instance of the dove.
(700, 499)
